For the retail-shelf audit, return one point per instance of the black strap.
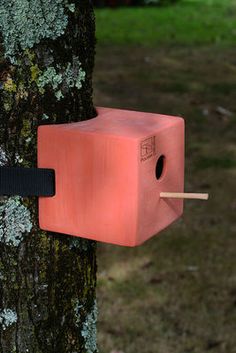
(27, 181)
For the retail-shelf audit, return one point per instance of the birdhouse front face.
(110, 171)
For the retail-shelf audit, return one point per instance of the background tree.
(47, 281)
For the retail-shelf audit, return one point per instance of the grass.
(188, 22)
(216, 162)
(177, 292)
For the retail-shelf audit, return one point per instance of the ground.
(177, 292)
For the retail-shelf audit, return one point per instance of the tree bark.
(47, 280)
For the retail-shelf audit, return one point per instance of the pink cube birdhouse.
(109, 172)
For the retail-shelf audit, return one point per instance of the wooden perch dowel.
(183, 195)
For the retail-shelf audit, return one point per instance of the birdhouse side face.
(161, 168)
(96, 184)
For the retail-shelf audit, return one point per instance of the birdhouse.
(110, 172)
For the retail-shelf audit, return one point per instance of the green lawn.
(199, 22)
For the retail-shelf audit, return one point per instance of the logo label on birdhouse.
(147, 148)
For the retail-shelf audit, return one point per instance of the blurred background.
(177, 292)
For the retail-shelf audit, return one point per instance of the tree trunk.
(47, 280)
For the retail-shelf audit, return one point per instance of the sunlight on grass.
(188, 22)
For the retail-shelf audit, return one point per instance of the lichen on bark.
(7, 318)
(89, 330)
(42, 275)
(15, 221)
(60, 79)
(25, 23)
